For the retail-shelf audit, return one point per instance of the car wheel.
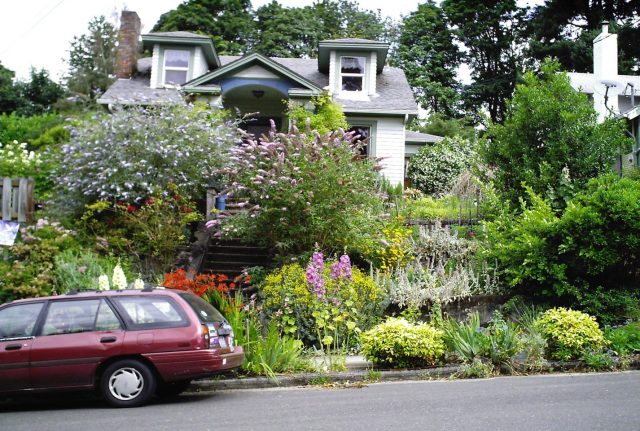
(172, 389)
(127, 383)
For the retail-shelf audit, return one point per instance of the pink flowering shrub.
(301, 190)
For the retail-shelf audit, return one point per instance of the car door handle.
(13, 347)
(108, 339)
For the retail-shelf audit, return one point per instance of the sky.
(38, 33)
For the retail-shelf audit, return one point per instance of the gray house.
(184, 66)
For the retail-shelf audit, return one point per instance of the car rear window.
(147, 312)
(206, 312)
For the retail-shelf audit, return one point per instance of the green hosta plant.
(400, 344)
(570, 334)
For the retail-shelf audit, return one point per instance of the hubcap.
(126, 383)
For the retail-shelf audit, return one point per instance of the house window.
(176, 66)
(352, 73)
(363, 138)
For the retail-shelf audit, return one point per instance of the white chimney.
(605, 71)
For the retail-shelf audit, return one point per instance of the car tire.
(172, 389)
(127, 383)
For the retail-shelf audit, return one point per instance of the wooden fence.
(17, 199)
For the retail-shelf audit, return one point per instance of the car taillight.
(205, 336)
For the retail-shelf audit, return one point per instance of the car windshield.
(205, 311)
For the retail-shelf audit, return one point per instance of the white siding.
(333, 74)
(371, 75)
(155, 67)
(390, 145)
(256, 72)
(200, 66)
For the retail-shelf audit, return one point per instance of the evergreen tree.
(92, 59)
(228, 22)
(493, 35)
(429, 57)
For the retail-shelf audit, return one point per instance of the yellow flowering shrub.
(400, 344)
(393, 249)
(570, 333)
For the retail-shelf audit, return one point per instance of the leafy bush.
(27, 129)
(17, 161)
(301, 192)
(625, 339)
(584, 258)
(551, 132)
(130, 154)
(400, 344)
(570, 334)
(326, 117)
(434, 168)
(300, 307)
(150, 232)
(30, 269)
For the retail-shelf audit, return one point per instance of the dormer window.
(176, 66)
(352, 73)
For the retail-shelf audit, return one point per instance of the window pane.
(352, 83)
(178, 77)
(362, 134)
(66, 317)
(176, 58)
(19, 320)
(352, 65)
(107, 319)
(151, 310)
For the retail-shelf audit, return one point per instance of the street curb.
(360, 376)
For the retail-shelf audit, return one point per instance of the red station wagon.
(128, 344)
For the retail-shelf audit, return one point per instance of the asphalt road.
(551, 402)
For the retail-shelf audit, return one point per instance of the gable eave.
(248, 60)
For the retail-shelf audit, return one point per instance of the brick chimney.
(128, 43)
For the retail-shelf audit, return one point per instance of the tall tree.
(228, 22)
(92, 59)
(565, 30)
(285, 32)
(38, 94)
(493, 35)
(429, 57)
(8, 96)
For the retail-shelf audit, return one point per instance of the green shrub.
(466, 339)
(599, 361)
(570, 334)
(29, 271)
(504, 341)
(326, 117)
(148, 233)
(26, 129)
(434, 168)
(584, 258)
(400, 344)
(625, 339)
